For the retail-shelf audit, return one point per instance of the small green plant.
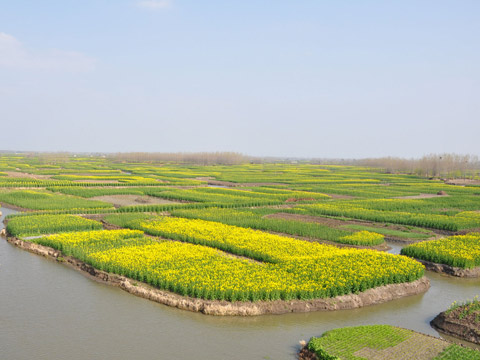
(466, 309)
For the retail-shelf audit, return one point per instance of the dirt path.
(126, 200)
(18, 174)
(462, 182)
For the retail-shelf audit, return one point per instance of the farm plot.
(289, 268)
(385, 342)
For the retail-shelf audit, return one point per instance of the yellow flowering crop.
(460, 251)
(294, 269)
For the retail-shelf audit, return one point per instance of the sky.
(305, 78)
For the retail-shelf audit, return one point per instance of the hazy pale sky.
(308, 78)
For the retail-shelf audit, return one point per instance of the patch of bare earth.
(126, 200)
(18, 174)
(462, 182)
(418, 346)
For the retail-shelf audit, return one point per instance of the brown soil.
(467, 329)
(306, 354)
(451, 270)
(464, 232)
(18, 174)
(462, 182)
(422, 196)
(374, 296)
(126, 200)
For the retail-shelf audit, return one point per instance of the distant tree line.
(446, 166)
(201, 158)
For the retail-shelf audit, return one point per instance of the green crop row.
(49, 224)
(41, 200)
(442, 222)
(380, 341)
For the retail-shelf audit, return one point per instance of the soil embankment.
(451, 270)
(15, 207)
(451, 323)
(306, 354)
(374, 296)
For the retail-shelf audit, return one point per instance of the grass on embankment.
(385, 342)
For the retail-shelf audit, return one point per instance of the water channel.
(51, 312)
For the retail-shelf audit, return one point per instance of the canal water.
(51, 312)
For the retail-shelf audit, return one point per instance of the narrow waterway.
(49, 311)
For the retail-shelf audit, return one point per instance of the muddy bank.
(306, 354)
(215, 307)
(465, 329)
(14, 207)
(451, 270)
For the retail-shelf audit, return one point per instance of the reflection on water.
(49, 311)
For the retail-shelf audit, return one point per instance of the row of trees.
(434, 165)
(202, 158)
